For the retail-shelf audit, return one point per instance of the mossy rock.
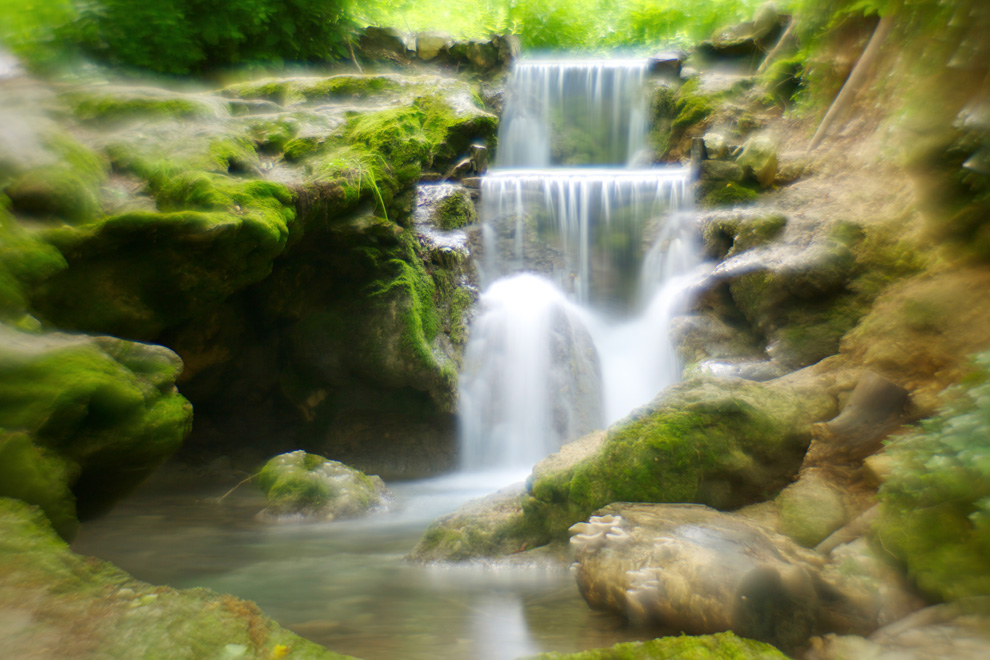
(123, 104)
(95, 415)
(25, 262)
(39, 476)
(720, 646)
(304, 485)
(935, 505)
(725, 236)
(727, 194)
(137, 274)
(80, 607)
(67, 188)
(724, 443)
(456, 211)
(333, 88)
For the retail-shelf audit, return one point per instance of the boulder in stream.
(690, 568)
(301, 485)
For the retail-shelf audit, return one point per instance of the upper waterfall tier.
(574, 112)
(587, 229)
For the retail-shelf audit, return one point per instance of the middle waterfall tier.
(588, 230)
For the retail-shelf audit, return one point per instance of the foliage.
(589, 25)
(179, 36)
(936, 504)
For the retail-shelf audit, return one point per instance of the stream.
(345, 584)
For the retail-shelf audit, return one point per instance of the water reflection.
(345, 585)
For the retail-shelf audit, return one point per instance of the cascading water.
(583, 267)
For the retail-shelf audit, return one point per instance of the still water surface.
(345, 584)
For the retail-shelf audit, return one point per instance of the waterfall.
(582, 268)
(574, 112)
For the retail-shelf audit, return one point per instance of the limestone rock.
(57, 604)
(759, 157)
(811, 509)
(693, 569)
(429, 45)
(871, 591)
(943, 631)
(301, 485)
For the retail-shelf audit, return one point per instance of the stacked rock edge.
(58, 604)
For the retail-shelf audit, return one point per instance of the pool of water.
(346, 584)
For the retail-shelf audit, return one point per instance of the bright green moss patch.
(302, 484)
(720, 443)
(730, 194)
(690, 107)
(124, 106)
(104, 409)
(25, 261)
(720, 646)
(66, 188)
(139, 273)
(936, 503)
(349, 86)
(33, 474)
(456, 211)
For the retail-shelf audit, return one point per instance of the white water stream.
(583, 267)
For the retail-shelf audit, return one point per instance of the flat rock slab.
(691, 568)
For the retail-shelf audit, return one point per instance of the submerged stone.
(301, 485)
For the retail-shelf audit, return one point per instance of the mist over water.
(583, 267)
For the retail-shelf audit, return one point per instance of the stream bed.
(346, 584)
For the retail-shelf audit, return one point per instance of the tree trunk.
(859, 75)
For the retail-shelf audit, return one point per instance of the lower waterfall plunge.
(583, 270)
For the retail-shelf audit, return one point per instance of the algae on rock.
(298, 484)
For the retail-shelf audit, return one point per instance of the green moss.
(25, 261)
(935, 506)
(456, 211)
(234, 155)
(139, 273)
(68, 188)
(690, 107)
(115, 419)
(120, 107)
(720, 646)
(299, 148)
(724, 446)
(349, 86)
(271, 136)
(298, 483)
(39, 476)
(276, 91)
(731, 194)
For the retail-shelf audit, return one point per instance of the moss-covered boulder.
(84, 419)
(936, 502)
(60, 604)
(301, 485)
(720, 646)
(725, 443)
(140, 273)
(802, 296)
